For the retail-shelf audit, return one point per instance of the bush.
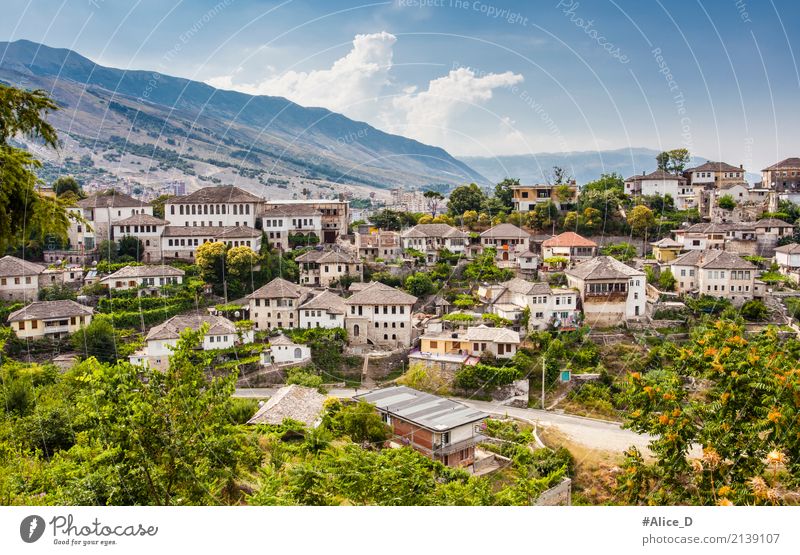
(485, 376)
(304, 376)
(754, 311)
(423, 378)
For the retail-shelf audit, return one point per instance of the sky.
(477, 77)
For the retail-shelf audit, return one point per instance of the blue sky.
(477, 77)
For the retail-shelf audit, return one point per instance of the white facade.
(611, 292)
(380, 315)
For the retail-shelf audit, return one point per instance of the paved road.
(591, 433)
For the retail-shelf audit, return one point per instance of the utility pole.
(543, 375)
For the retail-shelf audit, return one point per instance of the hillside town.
(445, 319)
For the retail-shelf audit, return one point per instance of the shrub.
(485, 376)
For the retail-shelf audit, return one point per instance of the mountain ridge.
(305, 143)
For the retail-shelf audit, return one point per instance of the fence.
(560, 494)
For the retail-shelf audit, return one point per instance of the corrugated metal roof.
(423, 409)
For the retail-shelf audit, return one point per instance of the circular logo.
(31, 528)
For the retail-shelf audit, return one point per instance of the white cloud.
(428, 115)
(359, 85)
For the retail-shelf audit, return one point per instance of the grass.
(594, 478)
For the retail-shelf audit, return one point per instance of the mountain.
(147, 126)
(584, 166)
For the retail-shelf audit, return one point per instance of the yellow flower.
(776, 457)
(725, 502)
(774, 415)
(724, 491)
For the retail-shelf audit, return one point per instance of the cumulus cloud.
(359, 85)
(428, 115)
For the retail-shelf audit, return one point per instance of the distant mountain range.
(149, 126)
(584, 166)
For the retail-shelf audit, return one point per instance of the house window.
(434, 344)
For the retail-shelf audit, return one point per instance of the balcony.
(446, 449)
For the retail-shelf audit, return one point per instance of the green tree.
(108, 250)
(641, 219)
(65, 184)
(726, 202)
(606, 182)
(98, 339)
(742, 418)
(673, 161)
(484, 268)
(361, 422)
(466, 197)
(390, 220)
(433, 199)
(210, 258)
(26, 216)
(167, 436)
(158, 206)
(131, 246)
(754, 310)
(504, 194)
(666, 281)
(419, 284)
(240, 262)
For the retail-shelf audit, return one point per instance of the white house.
(334, 216)
(303, 222)
(277, 304)
(150, 278)
(181, 242)
(509, 241)
(323, 310)
(788, 259)
(101, 210)
(431, 238)
(223, 206)
(611, 292)
(661, 183)
(148, 229)
(443, 348)
(716, 273)
(320, 268)
(19, 279)
(49, 319)
(283, 350)
(570, 246)
(548, 306)
(161, 339)
(379, 315)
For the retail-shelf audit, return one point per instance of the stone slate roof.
(569, 239)
(713, 259)
(215, 195)
(715, 167)
(299, 403)
(789, 163)
(279, 288)
(771, 222)
(141, 219)
(525, 287)
(667, 243)
(151, 270)
(281, 339)
(172, 328)
(434, 230)
(657, 175)
(497, 335)
(327, 301)
(377, 293)
(327, 256)
(237, 232)
(13, 266)
(603, 267)
(505, 230)
(50, 310)
(423, 409)
(791, 248)
(710, 228)
(289, 210)
(216, 232)
(111, 199)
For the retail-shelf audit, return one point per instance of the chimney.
(644, 172)
(741, 166)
